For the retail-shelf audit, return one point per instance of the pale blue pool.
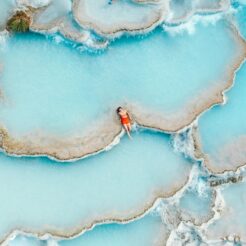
(64, 91)
(224, 126)
(38, 194)
(147, 231)
(55, 94)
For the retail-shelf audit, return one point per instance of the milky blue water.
(225, 124)
(63, 88)
(231, 221)
(39, 194)
(69, 90)
(147, 231)
(196, 206)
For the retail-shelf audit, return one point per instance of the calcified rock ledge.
(204, 232)
(234, 151)
(146, 23)
(104, 219)
(102, 134)
(198, 234)
(162, 14)
(62, 24)
(159, 239)
(67, 29)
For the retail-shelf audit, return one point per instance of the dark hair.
(118, 109)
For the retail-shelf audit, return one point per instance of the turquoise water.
(224, 125)
(232, 220)
(147, 231)
(69, 90)
(39, 194)
(227, 119)
(54, 88)
(222, 129)
(196, 207)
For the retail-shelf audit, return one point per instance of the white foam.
(190, 25)
(183, 142)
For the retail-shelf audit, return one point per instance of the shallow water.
(196, 207)
(68, 96)
(54, 87)
(232, 220)
(38, 194)
(226, 122)
(147, 231)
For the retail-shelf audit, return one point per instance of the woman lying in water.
(125, 120)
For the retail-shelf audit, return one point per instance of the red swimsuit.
(124, 120)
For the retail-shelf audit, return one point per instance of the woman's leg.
(129, 126)
(127, 130)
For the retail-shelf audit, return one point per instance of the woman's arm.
(130, 117)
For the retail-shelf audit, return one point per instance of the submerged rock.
(19, 22)
(221, 181)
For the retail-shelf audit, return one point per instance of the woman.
(125, 120)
